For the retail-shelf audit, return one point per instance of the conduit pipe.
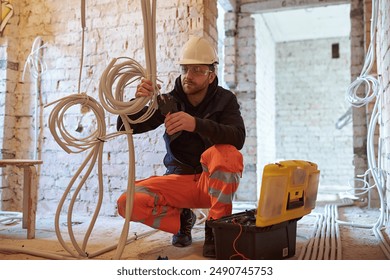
(36, 66)
(327, 228)
(124, 74)
(325, 242)
(10, 217)
(373, 90)
(308, 246)
(116, 105)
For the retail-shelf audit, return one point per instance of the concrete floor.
(356, 243)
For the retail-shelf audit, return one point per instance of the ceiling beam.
(279, 5)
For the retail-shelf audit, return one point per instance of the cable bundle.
(71, 144)
(124, 74)
(325, 243)
(370, 82)
(373, 90)
(118, 75)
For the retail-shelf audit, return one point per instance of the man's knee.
(121, 205)
(223, 156)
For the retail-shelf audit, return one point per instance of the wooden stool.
(30, 190)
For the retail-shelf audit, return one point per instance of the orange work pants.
(159, 199)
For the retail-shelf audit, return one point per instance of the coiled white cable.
(116, 104)
(71, 144)
(365, 79)
(123, 74)
(372, 90)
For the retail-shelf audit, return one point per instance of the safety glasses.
(195, 70)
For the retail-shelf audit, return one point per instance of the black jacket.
(218, 121)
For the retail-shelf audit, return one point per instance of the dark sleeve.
(152, 123)
(228, 129)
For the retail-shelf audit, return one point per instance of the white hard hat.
(198, 51)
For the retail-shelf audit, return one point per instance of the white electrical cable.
(116, 105)
(54, 256)
(307, 248)
(373, 91)
(338, 237)
(123, 74)
(312, 246)
(37, 67)
(69, 143)
(4, 21)
(10, 217)
(34, 62)
(325, 242)
(365, 79)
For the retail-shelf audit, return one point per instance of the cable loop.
(115, 79)
(34, 62)
(63, 137)
(371, 90)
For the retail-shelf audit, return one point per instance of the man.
(204, 131)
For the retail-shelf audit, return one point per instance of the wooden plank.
(19, 162)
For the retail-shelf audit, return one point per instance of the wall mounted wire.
(325, 242)
(373, 93)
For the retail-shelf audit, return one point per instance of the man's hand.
(145, 88)
(175, 122)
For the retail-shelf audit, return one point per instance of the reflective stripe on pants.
(158, 199)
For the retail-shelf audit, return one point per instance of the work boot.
(187, 221)
(209, 243)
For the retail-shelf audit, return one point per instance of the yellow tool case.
(288, 191)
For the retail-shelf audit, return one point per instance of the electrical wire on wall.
(116, 76)
(325, 242)
(373, 91)
(37, 67)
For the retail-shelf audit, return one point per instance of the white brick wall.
(310, 98)
(383, 66)
(245, 82)
(265, 97)
(114, 29)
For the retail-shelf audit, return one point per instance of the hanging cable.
(37, 67)
(119, 76)
(124, 74)
(373, 91)
(370, 83)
